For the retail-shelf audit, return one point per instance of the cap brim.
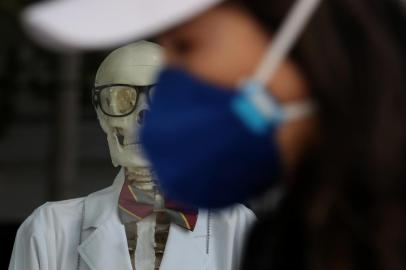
(101, 24)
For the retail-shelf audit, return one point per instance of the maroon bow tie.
(136, 204)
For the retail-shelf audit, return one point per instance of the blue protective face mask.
(202, 153)
(211, 146)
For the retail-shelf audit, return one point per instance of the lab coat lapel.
(106, 248)
(104, 243)
(186, 249)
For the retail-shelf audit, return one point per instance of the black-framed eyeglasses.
(119, 100)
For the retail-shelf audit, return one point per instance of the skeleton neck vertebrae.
(141, 178)
(153, 230)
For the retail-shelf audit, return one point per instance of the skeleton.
(93, 239)
(123, 89)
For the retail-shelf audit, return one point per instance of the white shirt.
(49, 239)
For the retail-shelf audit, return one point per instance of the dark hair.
(346, 208)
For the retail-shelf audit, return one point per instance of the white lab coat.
(49, 238)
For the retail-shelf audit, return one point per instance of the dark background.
(51, 145)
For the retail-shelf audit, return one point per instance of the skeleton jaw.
(130, 157)
(127, 155)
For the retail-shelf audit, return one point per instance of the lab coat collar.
(105, 247)
(101, 205)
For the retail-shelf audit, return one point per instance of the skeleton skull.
(123, 88)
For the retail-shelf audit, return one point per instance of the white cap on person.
(101, 24)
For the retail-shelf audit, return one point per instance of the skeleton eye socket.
(118, 100)
(125, 99)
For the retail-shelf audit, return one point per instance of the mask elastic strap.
(285, 38)
(257, 108)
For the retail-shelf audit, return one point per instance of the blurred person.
(341, 167)
(129, 225)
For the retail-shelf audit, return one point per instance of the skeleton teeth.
(142, 173)
(134, 146)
